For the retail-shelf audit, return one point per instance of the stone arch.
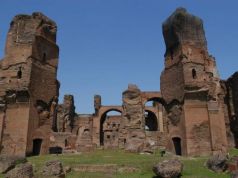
(151, 120)
(106, 109)
(102, 117)
(155, 109)
(156, 99)
(152, 96)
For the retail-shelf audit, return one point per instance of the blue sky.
(106, 44)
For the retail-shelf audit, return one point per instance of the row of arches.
(110, 121)
(151, 123)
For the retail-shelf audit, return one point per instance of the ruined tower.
(190, 85)
(28, 85)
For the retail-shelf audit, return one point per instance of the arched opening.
(154, 101)
(194, 73)
(36, 147)
(177, 145)
(154, 108)
(19, 73)
(151, 123)
(109, 128)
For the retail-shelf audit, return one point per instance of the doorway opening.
(177, 145)
(36, 147)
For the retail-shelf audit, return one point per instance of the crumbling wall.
(85, 133)
(132, 106)
(66, 115)
(172, 83)
(111, 131)
(133, 118)
(62, 141)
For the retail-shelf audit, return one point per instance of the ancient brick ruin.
(196, 113)
(30, 64)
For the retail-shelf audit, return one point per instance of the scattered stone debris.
(21, 171)
(168, 169)
(218, 162)
(53, 168)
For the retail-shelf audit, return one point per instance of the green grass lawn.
(193, 167)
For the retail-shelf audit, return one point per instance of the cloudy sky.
(106, 44)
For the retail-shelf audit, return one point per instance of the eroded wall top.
(183, 28)
(24, 32)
